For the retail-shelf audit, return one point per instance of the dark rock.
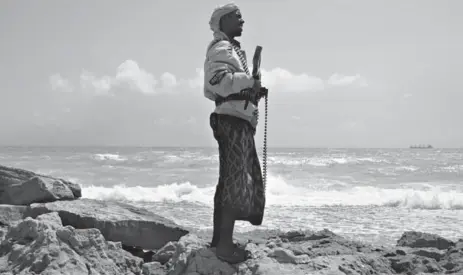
(22, 187)
(323, 234)
(297, 236)
(413, 264)
(148, 256)
(432, 253)
(139, 252)
(419, 240)
(390, 254)
(452, 260)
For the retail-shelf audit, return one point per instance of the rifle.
(256, 60)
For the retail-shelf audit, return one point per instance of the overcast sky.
(341, 73)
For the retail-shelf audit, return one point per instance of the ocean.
(373, 195)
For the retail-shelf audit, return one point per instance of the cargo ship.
(421, 146)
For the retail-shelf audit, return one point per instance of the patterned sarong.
(240, 188)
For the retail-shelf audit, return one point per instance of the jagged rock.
(3, 231)
(419, 240)
(307, 253)
(10, 214)
(364, 264)
(44, 246)
(22, 187)
(287, 256)
(153, 268)
(192, 257)
(413, 264)
(130, 225)
(183, 248)
(147, 256)
(452, 261)
(164, 254)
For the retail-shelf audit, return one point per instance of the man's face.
(232, 23)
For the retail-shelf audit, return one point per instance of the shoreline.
(47, 227)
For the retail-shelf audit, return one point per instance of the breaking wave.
(281, 193)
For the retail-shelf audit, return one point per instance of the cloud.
(198, 80)
(276, 78)
(285, 81)
(347, 80)
(138, 79)
(58, 83)
(168, 80)
(130, 76)
(100, 85)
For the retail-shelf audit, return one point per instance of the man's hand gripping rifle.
(256, 71)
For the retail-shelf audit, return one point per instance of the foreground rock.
(448, 255)
(44, 246)
(298, 253)
(293, 253)
(22, 187)
(9, 215)
(117, 221)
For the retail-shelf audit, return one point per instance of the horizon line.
(198, 146)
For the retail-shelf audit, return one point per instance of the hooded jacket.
(224, 75)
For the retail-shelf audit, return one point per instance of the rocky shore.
(47, 228)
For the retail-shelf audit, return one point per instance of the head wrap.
(218, 12)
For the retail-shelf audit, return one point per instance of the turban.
(218, 12)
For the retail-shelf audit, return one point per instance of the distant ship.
(421, 146)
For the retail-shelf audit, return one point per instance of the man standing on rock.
(240, 192)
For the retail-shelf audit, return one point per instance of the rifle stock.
(256, 62)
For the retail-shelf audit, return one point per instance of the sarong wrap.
(240, 188)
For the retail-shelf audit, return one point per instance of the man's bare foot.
(214, 245)
(233, 255)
